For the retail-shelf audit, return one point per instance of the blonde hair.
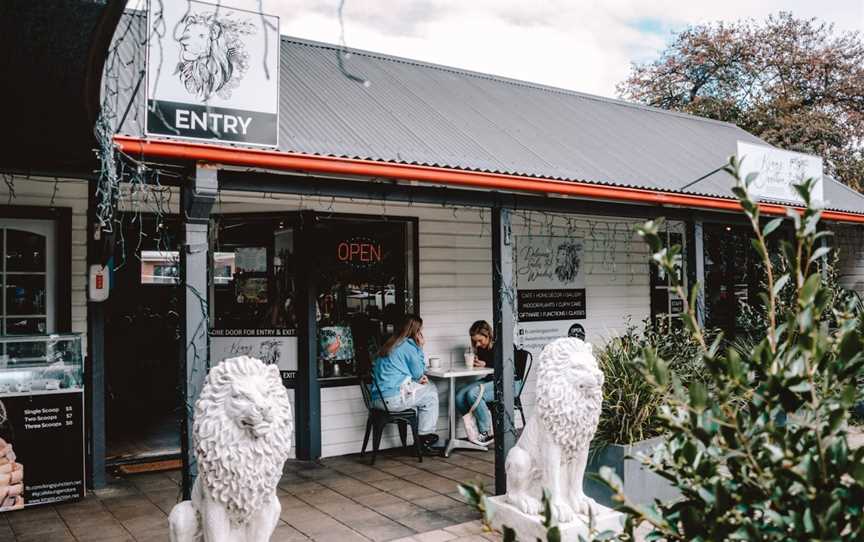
(410, 328)
(482, 327)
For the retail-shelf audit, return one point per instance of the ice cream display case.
(41, 411)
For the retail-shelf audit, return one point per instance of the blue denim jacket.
(389, 372)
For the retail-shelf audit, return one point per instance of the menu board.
(43, 441)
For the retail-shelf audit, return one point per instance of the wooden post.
(307, 393)
(95, 370)
(503, 299)
(696, 265)
(196, 200)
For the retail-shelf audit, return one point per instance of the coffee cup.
(434, 363)
(469, 360)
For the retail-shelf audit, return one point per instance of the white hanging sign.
(212, 73)
(778, 170)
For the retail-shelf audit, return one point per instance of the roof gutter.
(276, 160)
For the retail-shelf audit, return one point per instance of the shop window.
(367, 284)
(365, 277)
(27, 277)
(253, 274)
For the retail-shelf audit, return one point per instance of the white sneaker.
(486, 439)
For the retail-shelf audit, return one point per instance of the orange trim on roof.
(285, 161)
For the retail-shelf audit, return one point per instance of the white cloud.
(585, 45)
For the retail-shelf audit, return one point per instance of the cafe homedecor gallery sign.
(212, 73)
(550, 289)
(778, 171)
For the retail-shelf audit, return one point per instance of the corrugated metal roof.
(420, 113)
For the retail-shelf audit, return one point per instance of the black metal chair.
(378, 419)
(522, 362)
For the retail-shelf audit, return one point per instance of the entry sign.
(212, 73)
(778, 170)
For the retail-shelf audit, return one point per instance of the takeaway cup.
(434, 363)
(469, 360)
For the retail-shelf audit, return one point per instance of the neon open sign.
(359, 250)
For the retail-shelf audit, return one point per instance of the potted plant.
(629, 425)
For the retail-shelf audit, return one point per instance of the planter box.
(640, 485)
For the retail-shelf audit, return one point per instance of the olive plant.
(764, 454)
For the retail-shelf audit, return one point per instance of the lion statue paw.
(242, 431)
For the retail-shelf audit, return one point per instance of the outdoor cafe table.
(452, 374)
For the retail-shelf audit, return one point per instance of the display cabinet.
(39, 363)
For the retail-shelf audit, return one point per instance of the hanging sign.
(778, 171)
(212, 73)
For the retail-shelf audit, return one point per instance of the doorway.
(142, 343)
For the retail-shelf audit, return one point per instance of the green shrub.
(779, 469)
(630, 402)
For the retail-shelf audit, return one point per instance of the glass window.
(253, 274)
(367, 284)
(664, 301)
(26, 282)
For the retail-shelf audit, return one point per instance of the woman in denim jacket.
(399, 379)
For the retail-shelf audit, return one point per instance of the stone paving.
(341, 499)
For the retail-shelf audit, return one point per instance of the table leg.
(451, 411)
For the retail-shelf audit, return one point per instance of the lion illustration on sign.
(552, 451)
(242, 432)
(567, 261)
(213, 56)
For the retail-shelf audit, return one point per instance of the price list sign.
(43, 438)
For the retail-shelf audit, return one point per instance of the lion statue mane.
(552, 451)
(242, 433)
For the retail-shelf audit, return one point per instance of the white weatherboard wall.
(44, 192)
(456, 286)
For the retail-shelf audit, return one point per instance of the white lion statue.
(552, 451)
(242, 434)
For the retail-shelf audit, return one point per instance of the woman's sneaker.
(486, 438)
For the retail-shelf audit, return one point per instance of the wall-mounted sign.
(549, 262)
(272, 346)
(548, 305)
(778, 170)
(212, 73)
(550, 289)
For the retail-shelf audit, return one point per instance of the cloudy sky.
(585, 45)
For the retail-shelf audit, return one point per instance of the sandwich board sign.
(212, 73)
(778, 171)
